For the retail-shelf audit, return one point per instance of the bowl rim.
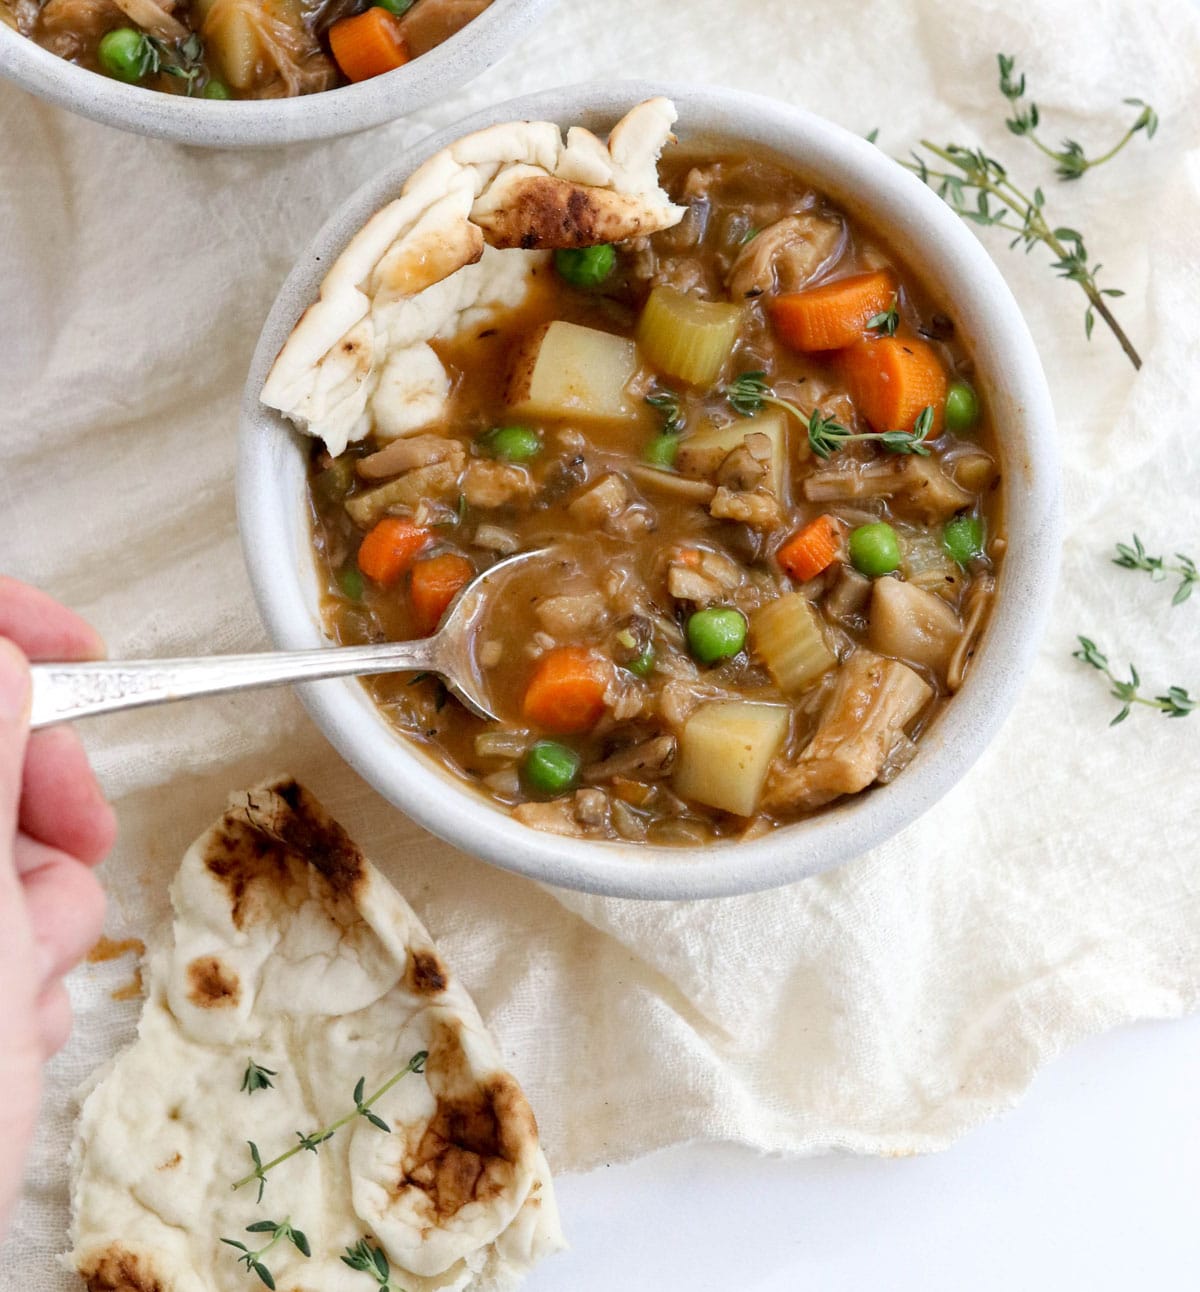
(209, 123)
(928, 234)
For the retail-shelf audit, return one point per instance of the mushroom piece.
(786, 255)
(409, 453)
(647, 760)
(919, 485)
(911, 624)
(673, 485)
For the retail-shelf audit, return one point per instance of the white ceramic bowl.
(268, 122)
(275, 529)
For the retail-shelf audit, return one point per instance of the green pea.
(550, 768)
(586, 266)
(642, 665)
(122, 53)
(716, 633)
(661, 450)
(874, 549)
(216, 90)
(962, 538)
(513, 443)
(962, 407)
(398, 7)
(350, 580)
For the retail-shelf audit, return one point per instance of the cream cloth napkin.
(886, 1008)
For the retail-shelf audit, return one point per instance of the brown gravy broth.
(619, 572)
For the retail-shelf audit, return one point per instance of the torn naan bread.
(460, 243)
(290, 949)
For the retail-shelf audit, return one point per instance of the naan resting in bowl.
(462, 242)
(296, 987)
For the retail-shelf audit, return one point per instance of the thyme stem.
(311, 1141)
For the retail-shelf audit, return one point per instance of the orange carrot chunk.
(833, 315)
(435, 583)
(368, 44)
(892, 379)
(811, 549)
(566, 693)
(389, 550)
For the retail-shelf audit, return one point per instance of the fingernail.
(14, 683)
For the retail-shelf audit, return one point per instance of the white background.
(1092, 1182)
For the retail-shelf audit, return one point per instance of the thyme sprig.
(1072, 161)
(1176, 703)
(886, 322)
(668, 405)
(1135, 557)
(980, 189)
(280, 1232)
(750, 393)
(311, 1141)
(182, 59)
(373, 1261)
(257, 1078)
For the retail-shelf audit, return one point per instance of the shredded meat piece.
(69, 28)
(409, 453)
(785, 256)
(607, 505)
(687, 584)
(572, 614)
(584, 813)
(871, 703)
(759, 510)
(919, 486)
(492, 484)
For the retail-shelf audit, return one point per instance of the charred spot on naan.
(271, 845)
(117, 1269)
(471, 1145)
(538, 212)
(212, 985)
(479, 1134)
(426, 974)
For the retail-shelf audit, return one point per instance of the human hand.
(54, 826)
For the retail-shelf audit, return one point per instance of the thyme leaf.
(887, 322)
(1175, 703)
(311, 1141)
(669, 406)
(371, 1260)
(280, 1231)
(256, 1078)
(1134, 557)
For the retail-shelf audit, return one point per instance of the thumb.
(14, 735)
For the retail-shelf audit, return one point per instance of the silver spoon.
(63, 692)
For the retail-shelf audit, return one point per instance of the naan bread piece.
(461, 243)
(291, 949)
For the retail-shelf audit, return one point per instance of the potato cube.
(725, 752)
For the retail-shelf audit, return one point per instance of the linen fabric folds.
(885, 1008)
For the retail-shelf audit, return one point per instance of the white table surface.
(1091, 1183)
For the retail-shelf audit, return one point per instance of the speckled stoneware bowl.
(268, 122)
(274, 521)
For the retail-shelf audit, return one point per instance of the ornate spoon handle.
(62, 692)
